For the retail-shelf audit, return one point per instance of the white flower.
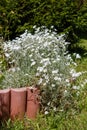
(67, 43)
(15, 47)
(30, 55)
(69, 58)
(66, 93)
(57, 79)
(32, 50)
(85, 80)
(53, 85)
(76, 74)
(37, 74)
(44, 59)
(54, 71)
(47, 81)
(45, 70)
(46, 77)
(74, 63)
(40, 81)
(33, 63)
(67, 80)
(45, 62)
(0, 62)
(7, 55)
(58, 59)
(40, 69)
(12, 69)
(48, 103)
(72, 71)
(78, 56)
(54, 108)
(84, 83)
(26, 74)
(76, 87)
(46, 112)
(44, 84)
(42, 55)
(45, 44)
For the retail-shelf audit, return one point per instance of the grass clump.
(60, 121)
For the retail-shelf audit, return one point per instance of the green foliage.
(65, 16)
(9, 125)
(3, 63)
(80, 46)
(60, 121)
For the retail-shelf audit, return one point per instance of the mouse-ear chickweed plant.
(40, 59)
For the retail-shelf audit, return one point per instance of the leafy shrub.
(42, 60)
(3, 64)
(17, 16)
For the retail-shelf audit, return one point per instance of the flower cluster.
(43, 55)
(40, 59)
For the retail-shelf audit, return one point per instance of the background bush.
(65, 15)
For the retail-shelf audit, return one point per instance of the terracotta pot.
(4, 104)
(32, 102)
(18, 103)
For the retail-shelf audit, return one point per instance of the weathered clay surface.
(15, 103)
(32, 102)
(18, 103)
(4, 104)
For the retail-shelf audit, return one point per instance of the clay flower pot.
(18, 103)
(32, 102)
(4, 104)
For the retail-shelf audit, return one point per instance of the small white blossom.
(32, 50)
(40, 81)
(44, 60)
(16, 47)
(48, 103)
(76, 87)
(54, 71)
(12, 69)
(54, 108)
(67, 80)
(78, 56)
(30, 55)
(46, 112)
(40, 69)
(57, 79)
(66, 93)
(7, 55)
(76, 74)
(37, 74)
(45, 70)
(33, 63)
(44, 84)
(26, 74)
(46, 77)
(58, 59)
(53, 85)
